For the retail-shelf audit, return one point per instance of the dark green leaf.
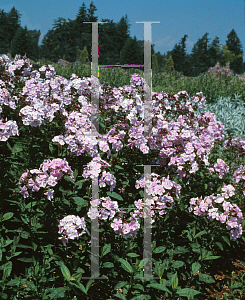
(225, 238)
(126, 265)
(26, 259)
(132, 255)
(108, 265)
(7, 216)
(65, 271)
(114, 195)
(174, 281)
(177, 264)
(195, 267)
(120, 284)
(106, 249)
(219, 245)
(206, 278)
(80, 201)
(138, 287)
(159, 249)
(159, 287)
(187, 292)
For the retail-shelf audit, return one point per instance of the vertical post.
(147, 250)
(93, 133)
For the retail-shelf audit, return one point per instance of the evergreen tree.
(13, 23)
(132, 52)
(33, 36)
(162, 60)
(83, 36)
(214, 53)
(107, 43)
(169, 67)
(233, 44)
(179, 55)
(122, 34)
(227, 55)
(22, 44)
(200, 59)
(9, 23)
(4, 39)
(154, 63)
(83, 59)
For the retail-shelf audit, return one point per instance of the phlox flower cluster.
(127, 229)
(46, 177)
(70, 227)
(10, 128)
(161, 200)
(93, 168)
(239, 175)
(238, 144)
(106, 209)
(231, 215)
(220, 167)
(18, 66)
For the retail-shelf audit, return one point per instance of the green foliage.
(154, 63)
(83, 58)
(169, 67)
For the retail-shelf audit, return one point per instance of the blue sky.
(177, 17)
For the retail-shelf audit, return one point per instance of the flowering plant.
(193, 189)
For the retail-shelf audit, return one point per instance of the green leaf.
(126, 265)
(142, 297)
(138, 287)
(80, 286)
(26, 259)
(120, 284)
(58, 292)
(159, 249)
(31, 204)
(89, 284)
(159, 269)
(174, 281)
(206, 278)
(160, 287)
(200, 234)
(16, 253)
(177, 264)
(75, 174)
(7, 216)
(219, 245)
(108, 265)
(14, 282)
(195, 267)
(65, 271)
(118, 167)
(80, 201)
(80, 183)
(211, 257)
(51, 148)
(106, 249)
(120, 296)
(187, 292)
(7, 269)
(68, 179)
(114, 195)
(7, 242)
(225, 238)
(132, 255)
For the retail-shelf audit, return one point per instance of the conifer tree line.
(71, 40)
